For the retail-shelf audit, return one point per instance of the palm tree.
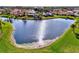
(77, 23)
(0, 26)
(73, 26)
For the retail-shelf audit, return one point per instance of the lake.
(28, 31)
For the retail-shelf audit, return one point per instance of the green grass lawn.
(67, 43)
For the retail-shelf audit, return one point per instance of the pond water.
(28, 31)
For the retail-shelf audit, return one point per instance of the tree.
(73, 26)
(0, 26)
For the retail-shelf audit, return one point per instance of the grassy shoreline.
(32, 18)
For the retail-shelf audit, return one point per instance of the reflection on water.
(41, 32)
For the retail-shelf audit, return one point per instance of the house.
(31, 12)
(76, 12)
(2, 11)
(17, 12)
